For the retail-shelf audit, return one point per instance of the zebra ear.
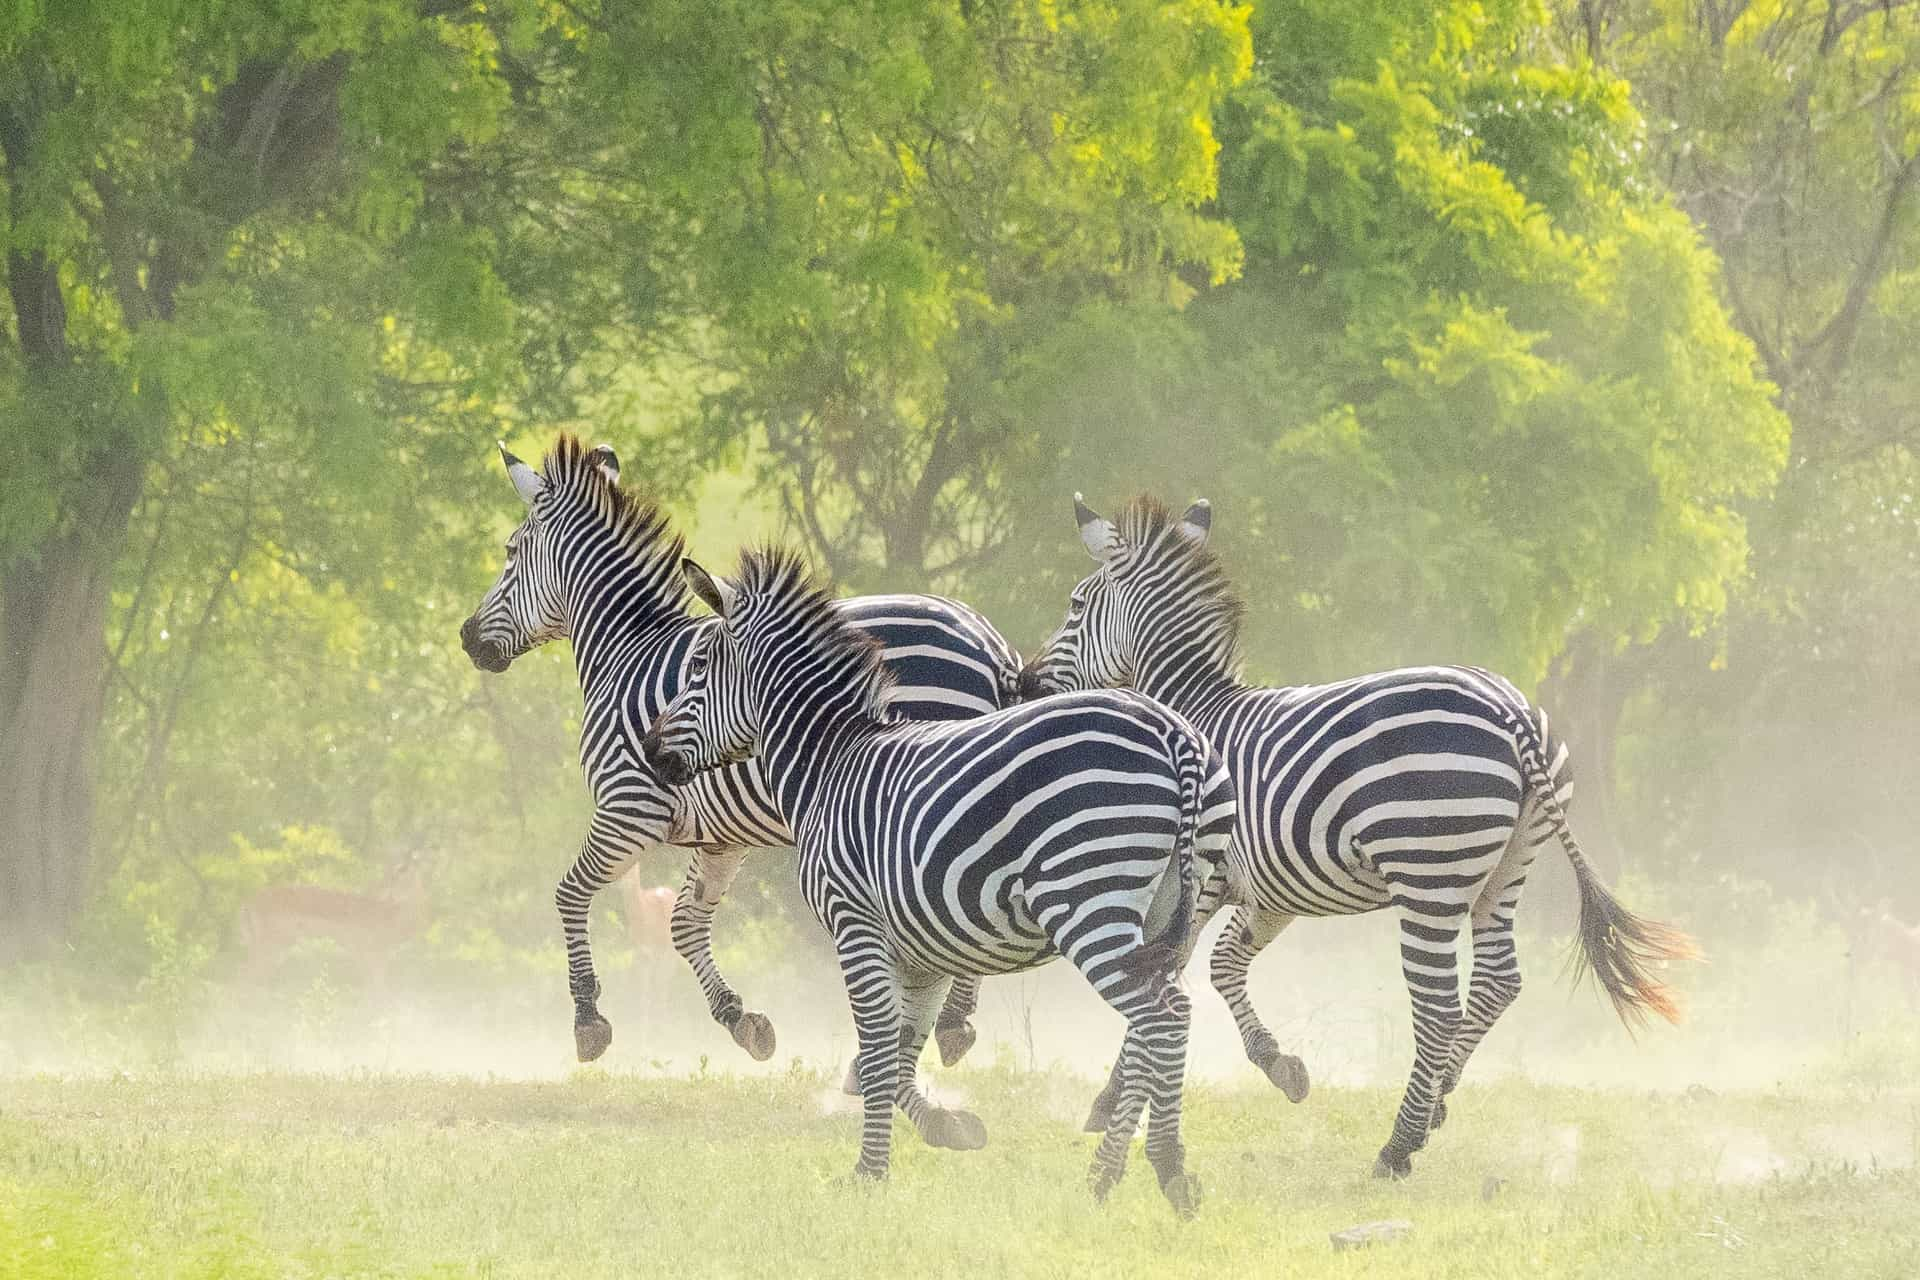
(527, 482)
(603, 457)
(1198, 521)
(1098, 533)
(713, 592)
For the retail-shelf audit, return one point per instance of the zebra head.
(781, 655)
(1148, 563)
(526, 605)
(711, 721)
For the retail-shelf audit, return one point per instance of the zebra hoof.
(1288, 1074)
(1101, 1181)
(851, 1084)
(954, 1041)
(1183, 1193)
(591, 1036)
(1391, 1165)
(955, 1131)
(1100, 1115)
(1439, 1115)
(752, 1032)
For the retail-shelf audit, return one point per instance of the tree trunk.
(53, 609)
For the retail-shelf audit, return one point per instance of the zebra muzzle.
(672, 767)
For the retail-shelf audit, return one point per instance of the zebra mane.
(1188, 572)
(637, 525)
(778, 582)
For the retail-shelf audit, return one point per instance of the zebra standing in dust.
(1083, 826)
(1427, 790)
(594, 563)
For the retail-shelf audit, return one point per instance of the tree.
(196, 199)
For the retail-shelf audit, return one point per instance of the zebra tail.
(1620, 949)
(1163, 954)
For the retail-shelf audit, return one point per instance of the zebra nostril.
(469, 633)
(1032, 684)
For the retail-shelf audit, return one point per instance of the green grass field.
(604, 1174)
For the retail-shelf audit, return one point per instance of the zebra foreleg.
(595, 868)
(709, 874)
(1429, 941)
(938, 1126)
(873, 989)
(1246, 935)
(953, 1031)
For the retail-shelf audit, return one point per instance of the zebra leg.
(873, 989)
(1152, 1072)
(1429, 945)
(920, 997)
(1496, 961)
(953, 1031)
(710, 873)
(1246, 935)
(597, 866)
(1213, 894)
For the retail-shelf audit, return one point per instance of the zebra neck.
(1191, 683)
(614, 611)
(796, 745)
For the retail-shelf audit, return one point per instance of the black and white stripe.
(1086, 827)
(1427, 790)
(595, 564)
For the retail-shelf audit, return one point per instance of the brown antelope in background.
(649, 913)
(367, 927)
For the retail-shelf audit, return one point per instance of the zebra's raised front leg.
(710, 873)
(953, 1030)
(1429, 945)
(610, 847)
(1247, 933)
(920, 998)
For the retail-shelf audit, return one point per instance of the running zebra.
(1085, 826)
(594, 563)
(1428, 790)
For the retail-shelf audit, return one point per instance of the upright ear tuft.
(1197, 523)
(1096, 532)
(527, 482)
(604, 458)
(716, 593)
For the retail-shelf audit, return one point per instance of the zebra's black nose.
(671, 766)
(470, 634)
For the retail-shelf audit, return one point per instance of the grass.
(602, 1174)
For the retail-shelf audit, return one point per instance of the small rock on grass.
(1369, 1233)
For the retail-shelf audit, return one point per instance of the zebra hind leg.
(1429, 941)
(709, 874)
(1496, 985)
(1151, 1073)
(1246, 935)
(953, 1129)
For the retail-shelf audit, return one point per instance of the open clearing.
(605, 1174)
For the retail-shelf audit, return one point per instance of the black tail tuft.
(1623, 952)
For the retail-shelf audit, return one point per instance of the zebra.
(1427, 790)
(592, 562)
(1084, 827)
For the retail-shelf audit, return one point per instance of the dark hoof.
(1439, 1115)
(1183, 1193)
(851, 1085)
(591, 1037)
(1101, 1182)
(752, 1032)
(955, 1131)
(1389, 1164)
(1100, 1116)
(954, 1042)
(1288, 1074)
